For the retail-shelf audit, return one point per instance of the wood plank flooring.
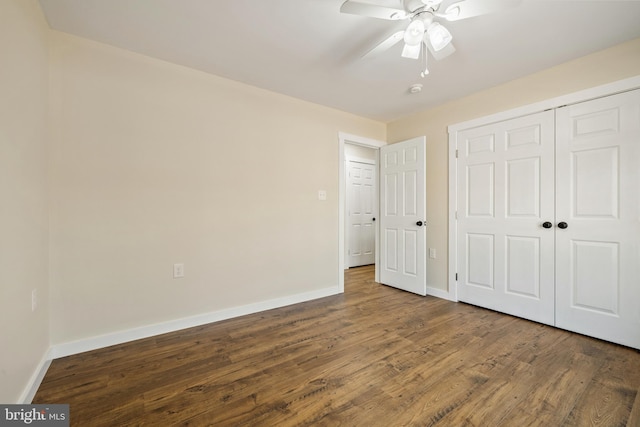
(375, 356)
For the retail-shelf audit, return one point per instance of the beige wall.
(154, 164)
(603, 67)
(24, 335)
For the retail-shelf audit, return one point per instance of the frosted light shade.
(411, 51)
(439, 36)
(414, 33)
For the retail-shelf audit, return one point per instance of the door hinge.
(456, 277)
(456, 153)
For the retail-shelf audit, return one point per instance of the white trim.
(346, 138)
(36, 379)
(453, 220)
(360, 160)
(572, 98)
(101, 341)
(360, 140)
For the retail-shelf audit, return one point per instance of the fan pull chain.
(424, 54)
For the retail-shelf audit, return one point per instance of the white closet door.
(598, 197)
(505, 195)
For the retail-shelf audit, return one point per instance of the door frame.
(346, 138)
(572, 98)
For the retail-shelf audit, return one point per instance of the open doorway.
(361, 202)
(353, 147)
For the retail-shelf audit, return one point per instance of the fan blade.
(385, 45)
(372, 10)
(442, 53)
(469, 8)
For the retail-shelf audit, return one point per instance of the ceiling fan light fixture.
(414, 33)
(411, 51)
(439, 36)
(431, 3)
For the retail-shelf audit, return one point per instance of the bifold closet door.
(505, 207)
(598, 198)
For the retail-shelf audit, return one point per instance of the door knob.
(420, 223)
(547, 224)
(563, 225)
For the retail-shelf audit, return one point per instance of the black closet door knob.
(419, 223)
(563, 225)
(547, 224)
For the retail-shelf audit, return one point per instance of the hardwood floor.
(375, 356)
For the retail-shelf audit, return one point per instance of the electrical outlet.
(178, 271)
(432, 253)
(34, 299)
(322, 195)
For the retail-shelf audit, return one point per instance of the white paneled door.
(598, 218)
(548, 212)
(361, 201)
(403, 216)
(505, 202)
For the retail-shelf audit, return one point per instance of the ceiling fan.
(423, 32)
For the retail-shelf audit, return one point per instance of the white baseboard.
(36, 378)
(440, 293)
(93, 343)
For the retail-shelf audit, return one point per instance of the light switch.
(322, 195)
(432, 253)
(178, 271)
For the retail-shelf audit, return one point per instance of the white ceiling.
(309, 50)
